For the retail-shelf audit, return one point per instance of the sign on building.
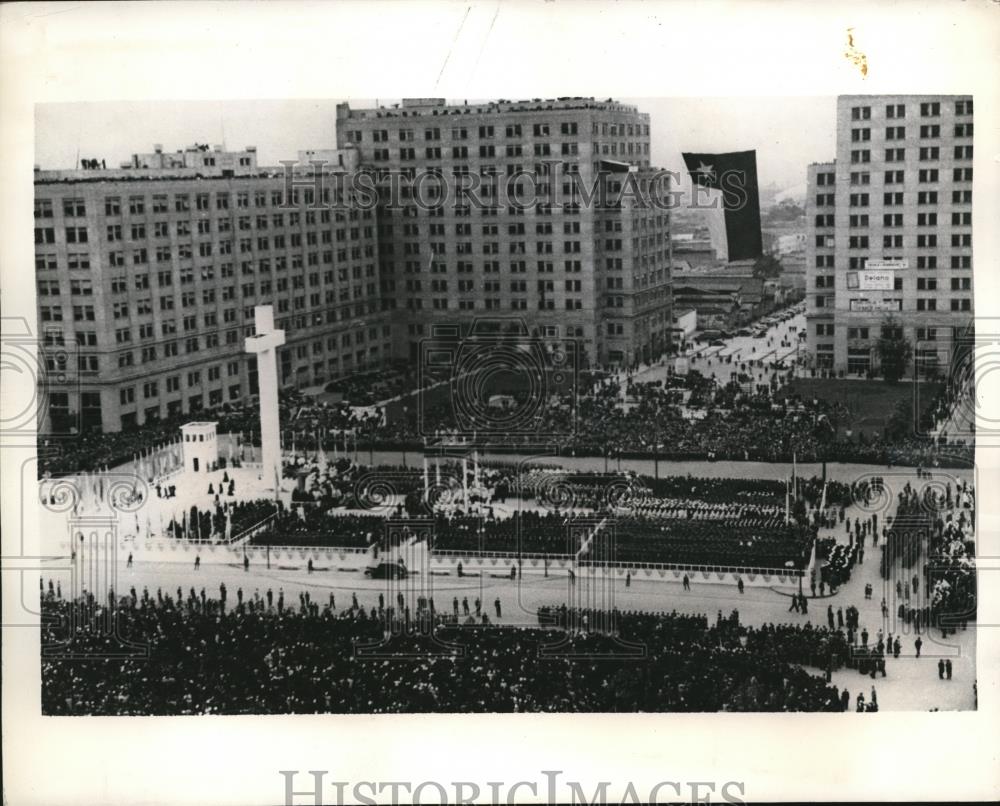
(876, 279)
(879, 265)
(876, 305)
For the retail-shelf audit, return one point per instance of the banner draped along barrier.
(184, 551)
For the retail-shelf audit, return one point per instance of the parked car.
(387, 570)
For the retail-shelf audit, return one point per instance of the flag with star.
(735, 176)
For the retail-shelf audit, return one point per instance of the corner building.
(147, 277)
(570, 270)
(899, 192)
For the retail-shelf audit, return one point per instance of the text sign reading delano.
(876, 280)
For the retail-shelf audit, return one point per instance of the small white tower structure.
(201, 448)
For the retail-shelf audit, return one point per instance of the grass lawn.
(871, 403)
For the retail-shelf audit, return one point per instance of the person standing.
(941, 669)
(739, 584)
(829, 616)
(947, 668)
(917, 644)
(496, 604)
(840, 618)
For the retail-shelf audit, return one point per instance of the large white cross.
(265, 346)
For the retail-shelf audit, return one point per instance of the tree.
(894, 350)
(767, 267)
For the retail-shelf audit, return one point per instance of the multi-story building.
(566, 265)
(890, 230)
(147, 276)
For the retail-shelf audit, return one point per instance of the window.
(930, 109)
(74, 208)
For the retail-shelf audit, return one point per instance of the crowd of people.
(311, 526)
(687, 417)
(525, 532)
(248, 656)
(933, 533)
(743, 541)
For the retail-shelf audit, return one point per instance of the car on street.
(387, 570)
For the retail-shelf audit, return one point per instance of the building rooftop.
(197, 162)
(417, 107)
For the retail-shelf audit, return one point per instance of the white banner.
(877, 265)
(876, 305)
(876, 280)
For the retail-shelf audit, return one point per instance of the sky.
(787, 133)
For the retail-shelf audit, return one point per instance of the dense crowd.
(524, 532)
(744, 541)
(935, 528)
(691, 417)
(304, 525)
(247, 658)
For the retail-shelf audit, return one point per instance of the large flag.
(735, 175)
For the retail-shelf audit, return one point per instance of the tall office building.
(890, 230)
(454, 249)
(147, 276)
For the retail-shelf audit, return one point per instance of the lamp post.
(406, 411)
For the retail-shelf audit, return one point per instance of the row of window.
(895, 197)
(865, 333)
(928, 241)
(565, 129)
(894, 220)
(926, 304)
(923, 262)
(928, 109)
(864, 135)
(160, 203)
(923, 283)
